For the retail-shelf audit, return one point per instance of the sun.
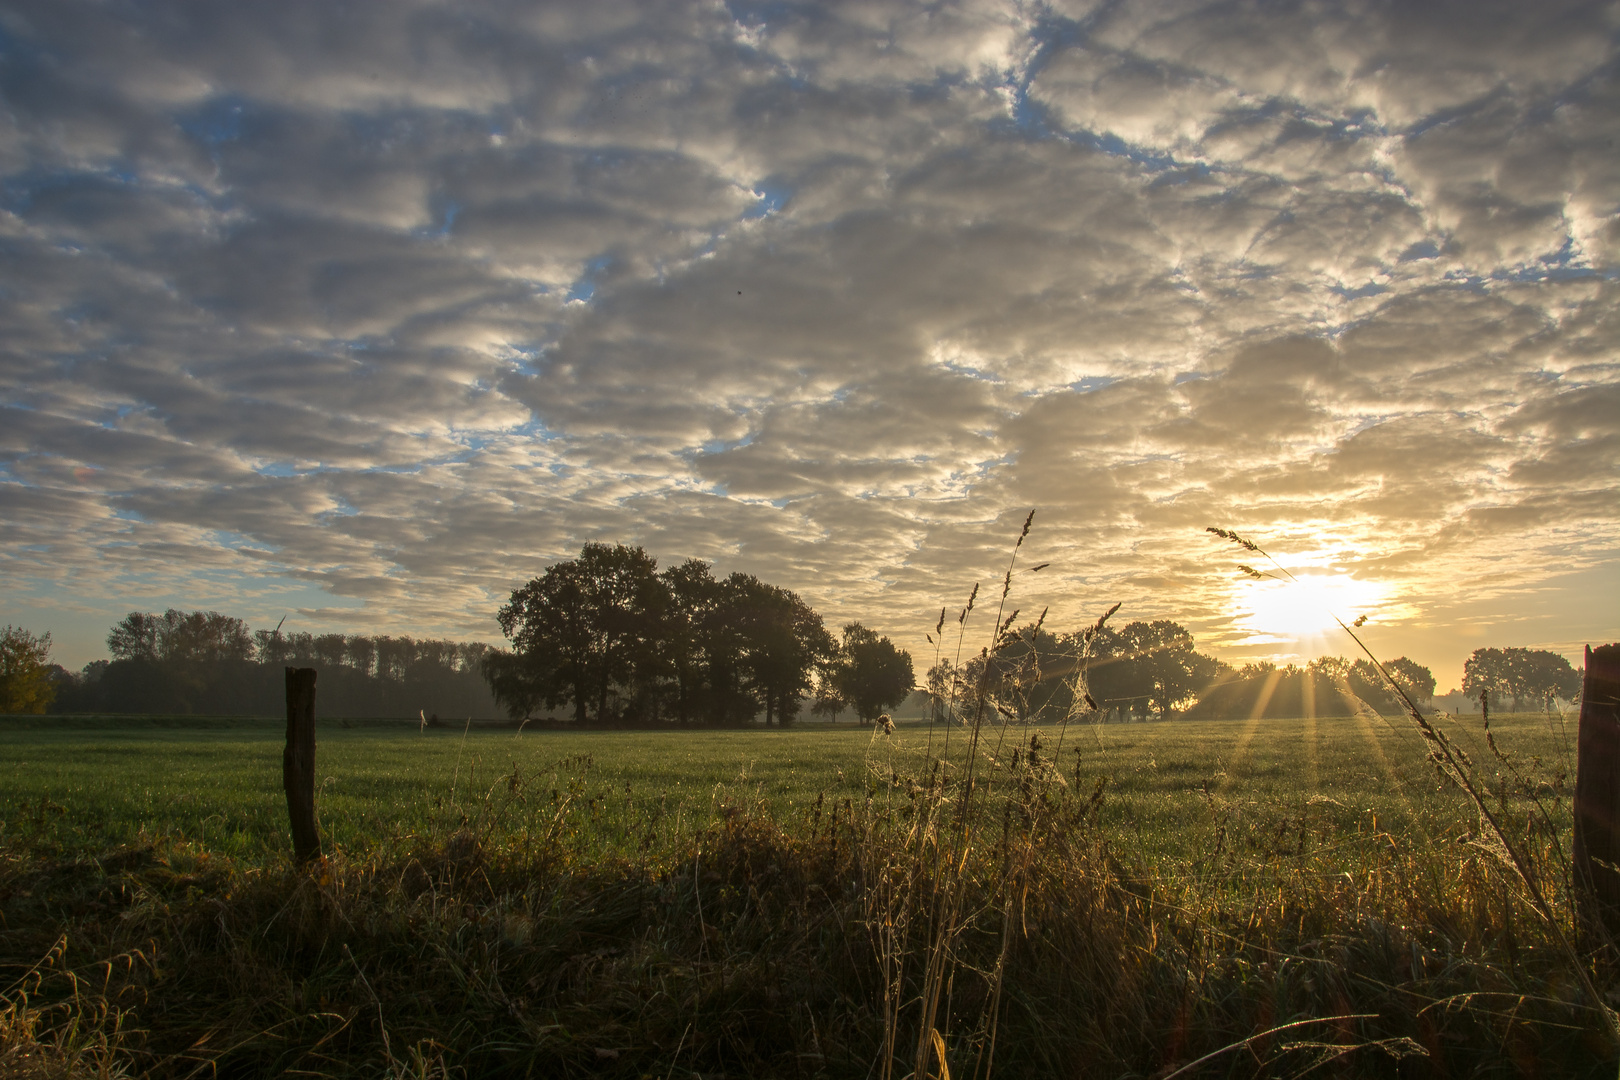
(1305, 609)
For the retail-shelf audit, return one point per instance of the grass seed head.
(1228, 534)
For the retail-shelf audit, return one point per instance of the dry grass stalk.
(1453, 764)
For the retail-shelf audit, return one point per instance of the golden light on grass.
(1304, 610)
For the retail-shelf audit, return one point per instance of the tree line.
(203, 662)
(1141, 669)
(1151, 669)
(1326, 686)
(1522, 676)
(611, 639)
(614, 640)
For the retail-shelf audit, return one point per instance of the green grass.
(1170, 786)
(220, 787)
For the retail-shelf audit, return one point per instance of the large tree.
(26, 685)
(694, 639)
(1413, 677)
(1546, 676)
(1161, 665)
(1014, 674)
(1111, 676)
(867, 672)
(1485, 675)
(579, 629)
(1536, 675)
(783, 643)
(1369, 684)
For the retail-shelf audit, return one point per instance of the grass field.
(1170, 785)
(1246, 898)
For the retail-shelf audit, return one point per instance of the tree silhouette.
(867, 672)
(1162, 666)
(783, 643)
(194, 636)
(1520, 674)
(1414, 678)
(579, 629)
(695, 642)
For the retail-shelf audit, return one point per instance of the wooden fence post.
(1597, 791)
(298, 764)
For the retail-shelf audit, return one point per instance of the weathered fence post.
(1597, 791)
(298, 764)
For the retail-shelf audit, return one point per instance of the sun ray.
(1240, 752)
(1267, 688)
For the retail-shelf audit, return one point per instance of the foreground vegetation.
(769, 904)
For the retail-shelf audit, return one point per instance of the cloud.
(372, 313)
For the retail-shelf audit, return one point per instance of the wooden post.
(1597, 791)
(298, 764)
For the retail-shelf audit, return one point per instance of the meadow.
(1170, 785)
(766, 902)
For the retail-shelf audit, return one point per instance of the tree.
(26, 685)
(331, 650)
(514, 683)
(204, 636)
(1485, 676)
(1334, 668)
(1111, 676)
(867, 672)
(1013, 673)
(608, 632)
(582, 627)
(361, 652)
(690, 635)
(1518, 673)
(135, 637)
(1545, 676)
(783, 643)
(1368, 684)
(268, 645)
(1415, 679)
(943, 681)
(180, 635)
(1162, 665)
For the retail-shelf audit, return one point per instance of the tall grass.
(1497, 832)
(769, 947)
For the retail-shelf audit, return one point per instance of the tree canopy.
(616, 640)
(25, 671)
(180, 635)
(1142, 667)
(579, 630)
(1153, 663)
(205, 662)
(1536, 676)
(867, 673)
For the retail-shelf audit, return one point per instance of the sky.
(364, 314)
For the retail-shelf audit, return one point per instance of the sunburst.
(1306, 609)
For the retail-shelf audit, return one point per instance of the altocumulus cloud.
(373, 310)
